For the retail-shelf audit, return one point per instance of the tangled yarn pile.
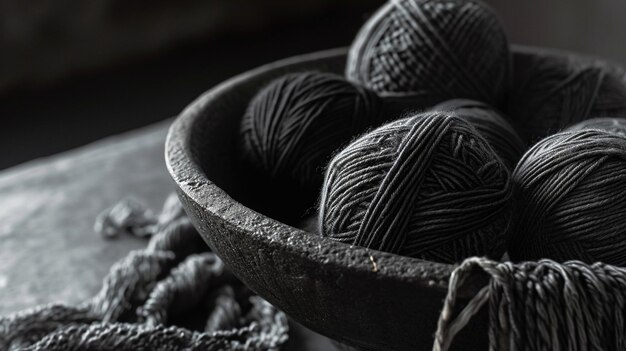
(444, 48)
(173, 295)
(540, 305)
(426, 186)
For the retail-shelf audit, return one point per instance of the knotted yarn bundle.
(444, 49)
(553, 91)
(491, 125)
(570, 191)
(427, 186)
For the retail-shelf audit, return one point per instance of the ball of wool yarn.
(427, 186)
(445, 49)
(491, 125)
(570, 192)
(552, 91)
(292, 126)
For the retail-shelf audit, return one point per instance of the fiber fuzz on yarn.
(608, 124)
(426, 186)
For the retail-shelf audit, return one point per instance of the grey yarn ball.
(570, 191)
(551, 92)
(491, 125)
(295, 123)
(444, 49)
(427, 186)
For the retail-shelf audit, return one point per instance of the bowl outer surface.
(366, 298)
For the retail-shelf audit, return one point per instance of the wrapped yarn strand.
(427, 186)
(491, 125)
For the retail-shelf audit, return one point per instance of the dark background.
(72, 72)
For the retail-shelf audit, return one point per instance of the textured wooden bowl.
(366, 298)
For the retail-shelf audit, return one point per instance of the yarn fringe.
(542, 305)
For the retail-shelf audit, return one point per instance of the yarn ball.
(294, 124)
(570, 191)
(445, 49)
(553, 91)
(491, 125)
(427, 186)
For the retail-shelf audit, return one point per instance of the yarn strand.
(541, 305)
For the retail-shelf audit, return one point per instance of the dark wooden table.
(49, 251)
